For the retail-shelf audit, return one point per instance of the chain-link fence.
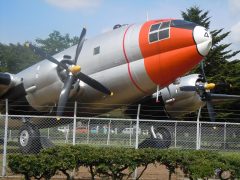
(123, 132)
(29, 134)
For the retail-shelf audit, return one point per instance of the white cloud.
(234, 6)
(235, 32)
(74, 4)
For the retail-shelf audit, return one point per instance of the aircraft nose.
(203, 40)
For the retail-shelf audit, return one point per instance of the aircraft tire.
(29, 139)
(164, 138)
(162, 141)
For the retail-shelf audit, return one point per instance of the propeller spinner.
(73, 73)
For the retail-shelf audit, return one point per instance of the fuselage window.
(159, 32)
(96, 50)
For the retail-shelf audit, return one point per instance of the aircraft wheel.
(29, 139)
(161, 138)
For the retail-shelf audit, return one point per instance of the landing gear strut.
(29, 139)
(160, 138)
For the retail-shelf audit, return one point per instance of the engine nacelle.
(177, 102)
(7, 81)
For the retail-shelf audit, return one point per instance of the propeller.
(203, 89)
(73, 73)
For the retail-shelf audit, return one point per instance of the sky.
(27, 20)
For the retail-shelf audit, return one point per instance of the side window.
(159, 32)
(96, 50)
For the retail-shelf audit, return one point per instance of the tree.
(219, 54)
(56, 42)
(218, 68)
(14, 58)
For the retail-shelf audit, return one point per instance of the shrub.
(118, 163)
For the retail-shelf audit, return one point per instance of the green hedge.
(119, 163)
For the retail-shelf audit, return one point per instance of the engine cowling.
(178, 102)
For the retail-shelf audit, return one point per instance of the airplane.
(104, 72)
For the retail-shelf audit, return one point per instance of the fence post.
(198, 132)
(175, 135)
(5, 142)
(48, 133)
(130, 134)
(109, 131)
(137, 129)
(225, 135)
(137, 126)
(88, 132)
(74, 122)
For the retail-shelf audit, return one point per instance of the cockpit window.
(155, 27)
(159, 31)
(183, 24)
(165, 25)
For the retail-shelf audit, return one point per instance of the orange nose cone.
(164, 68)
(168, 58)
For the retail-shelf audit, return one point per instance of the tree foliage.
(220, 53)
(120, 163)
(14, 58)
(56, 42)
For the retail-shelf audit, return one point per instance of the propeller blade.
(225, 96)
(80, 44)
(46, 56)
(211, 111)
(203, 72)
(188, 88)
(64, 95)
(93, 83)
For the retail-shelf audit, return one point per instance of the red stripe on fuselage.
(128, 64)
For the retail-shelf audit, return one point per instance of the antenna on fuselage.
(147, 16)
